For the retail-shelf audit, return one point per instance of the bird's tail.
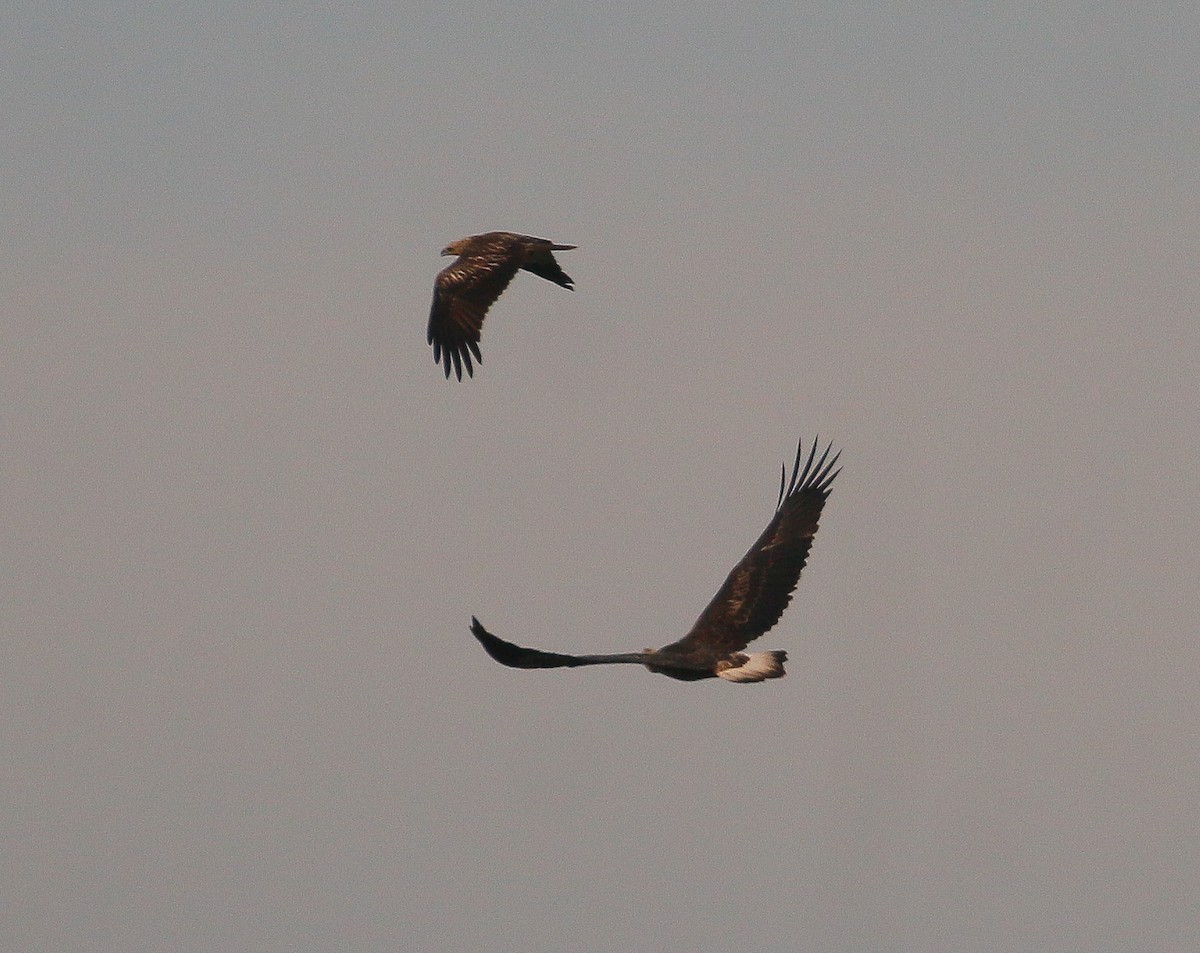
(757, 667)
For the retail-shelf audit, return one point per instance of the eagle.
(467, 287)
(747, 605)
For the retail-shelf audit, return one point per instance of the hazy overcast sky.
(247, 521)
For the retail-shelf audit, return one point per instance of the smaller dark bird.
(465, 289)
(749, 603)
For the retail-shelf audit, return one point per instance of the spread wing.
(760, 587)
(517, 656)
(462, 294)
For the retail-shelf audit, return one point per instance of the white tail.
(756, 667)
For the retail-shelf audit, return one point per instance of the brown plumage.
(748, 604)
(464, 290)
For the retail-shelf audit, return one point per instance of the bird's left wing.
(516, 656)
(759, 588)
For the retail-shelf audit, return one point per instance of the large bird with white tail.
(749, 603)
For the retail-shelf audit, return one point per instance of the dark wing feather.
(462, 294)
(540, 262)
(760, 587)
(515, 656)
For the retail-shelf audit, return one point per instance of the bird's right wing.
(539, 260)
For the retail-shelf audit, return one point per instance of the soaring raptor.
(749, 603)
(466, 288)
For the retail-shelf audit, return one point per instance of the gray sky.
(248, 522)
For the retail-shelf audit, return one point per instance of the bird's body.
(747, 605)
(467, 287)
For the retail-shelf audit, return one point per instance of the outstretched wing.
(516, 656)
(760, 587)
(462, 294)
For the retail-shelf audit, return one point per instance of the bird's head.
(454, 248)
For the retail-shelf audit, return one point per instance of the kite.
(467, 287)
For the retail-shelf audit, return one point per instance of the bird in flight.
(467, 287)
(746, 606)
